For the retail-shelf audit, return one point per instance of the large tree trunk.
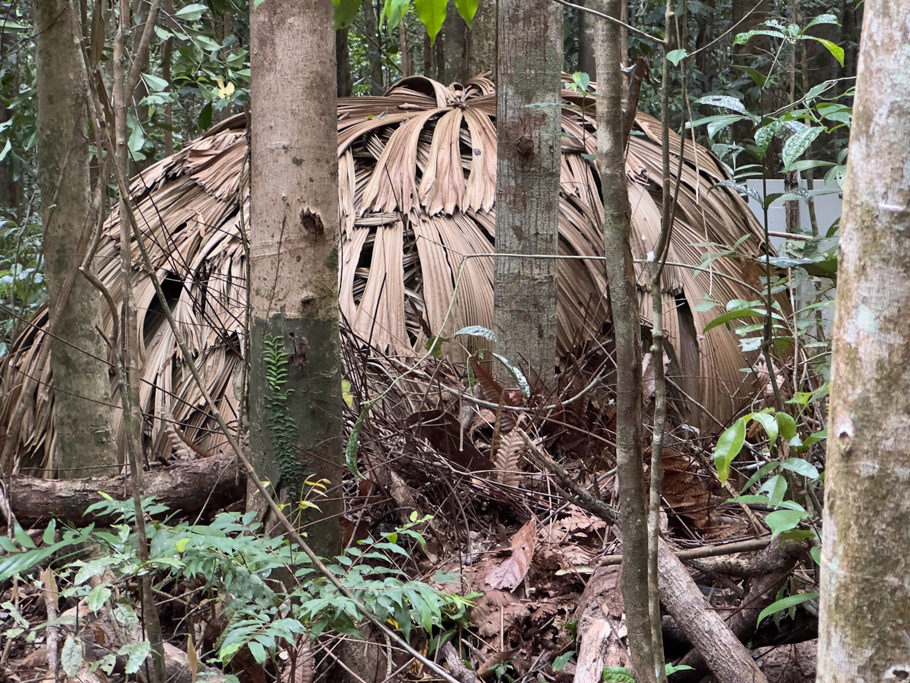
(294, 252)
(527, 182)
(82, 411)
(865, 573)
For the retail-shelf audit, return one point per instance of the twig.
(704, 551)
(614, 20)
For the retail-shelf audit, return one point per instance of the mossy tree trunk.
(528, 116)
(294, 254)
(865, 572)
(82, 400)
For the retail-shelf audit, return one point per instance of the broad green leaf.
(6, 149)
(765, 134)
(722, 101)
(477, 331)
(466, 10)
(787, 425)
(23, 538)
(136, 654)
(780, 521)
(760, 474)
(257, 650)
(49, 533)
(743, 38)
(345, 11)
(776, 488)
(98, 596)
(676, 56)
(836, 50)
(734, 315)
(71, 656)
(786, 603)
(137, 139)
(801, 467)
(798, 143)
(716, 123)
(770, 424)
(728, 447)
(747, 500)
(205, 42)
(822, 19)
(431, 14)
(563, 659)
(392, 12)
(191, 12)
(154, 83)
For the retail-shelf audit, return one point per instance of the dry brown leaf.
(509, 575)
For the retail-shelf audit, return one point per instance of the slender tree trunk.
(627, 333)
(294, 252)
(82, 412)
(343, 63)
(865, 569)
(403, 49)
(587, 29)
(528, 115)
(455, 63)
(373, 42)
(481, 40)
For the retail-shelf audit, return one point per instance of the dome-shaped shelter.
(417, 170)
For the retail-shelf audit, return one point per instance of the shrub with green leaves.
(270, 592)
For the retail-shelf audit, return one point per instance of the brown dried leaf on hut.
(416, 188)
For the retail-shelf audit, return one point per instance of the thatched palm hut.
(417, 171)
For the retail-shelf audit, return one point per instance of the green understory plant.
(270, 594)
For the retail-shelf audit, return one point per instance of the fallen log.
(190, 486)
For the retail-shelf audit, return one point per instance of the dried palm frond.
(417, 170)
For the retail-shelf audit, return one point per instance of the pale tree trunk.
(528, 118)
(293, 249)
(481, 41)
(865, 569)
(82, 410)
(627, 334)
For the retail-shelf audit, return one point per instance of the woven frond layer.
(417, 172)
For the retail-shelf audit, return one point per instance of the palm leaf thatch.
(417, 171)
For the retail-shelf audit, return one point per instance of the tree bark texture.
(865, 572)
(627, 333)
(728, 659)
(481, 41)
(373, 42)
(527, 200)
(189, 486)
(82, 411)
(294, 246)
